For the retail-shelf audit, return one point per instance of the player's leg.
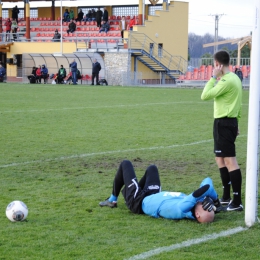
(125, 176)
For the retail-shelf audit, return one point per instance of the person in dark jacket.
(105, 14)
(32, 76)
(66, 16)
(56, 37)
(15, 12)
(2, 73)
(105, 27)
(61, 75)
(80, 16)
(96, 67)
(73, 68)
(99, 15)
(44, 72)
(72, 27)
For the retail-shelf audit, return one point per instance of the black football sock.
(224, 175)
(236, 182)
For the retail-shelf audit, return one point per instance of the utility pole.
(217, 17)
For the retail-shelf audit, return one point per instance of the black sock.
(236, 182)
(224, 174)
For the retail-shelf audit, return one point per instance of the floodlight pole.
(61, 31)
(252, 171)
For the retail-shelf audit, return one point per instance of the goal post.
(251, 192)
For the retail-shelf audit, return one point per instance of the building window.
(152, 8)
(125, 10)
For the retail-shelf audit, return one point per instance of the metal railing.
(197, 62)
(140, 41)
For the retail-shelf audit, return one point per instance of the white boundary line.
(107, 152)
(187, 243)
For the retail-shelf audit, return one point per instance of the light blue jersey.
(175, 205)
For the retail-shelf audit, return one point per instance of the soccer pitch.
(61, 146)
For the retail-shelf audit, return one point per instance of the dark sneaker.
(107, 203)
(233, 207)
(225, 201)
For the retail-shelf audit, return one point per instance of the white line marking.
(187, 243)
(102, 153)
(107, 152)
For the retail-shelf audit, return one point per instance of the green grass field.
(60, 148)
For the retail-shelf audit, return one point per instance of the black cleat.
(107, 203)
(233, 207)
(225, 201)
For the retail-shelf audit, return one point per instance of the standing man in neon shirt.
(227, 95)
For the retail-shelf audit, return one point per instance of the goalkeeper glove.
(208, 204)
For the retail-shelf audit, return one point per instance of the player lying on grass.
(146, 197)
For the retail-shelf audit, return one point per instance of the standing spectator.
(96, 67)
(32, 76)
(99, 15)
(56, 37)
(71, 14)
(123, 26)
(105, 27)
(2, 73)
(72, 27)
(66, 16)
(38, 74)
(227, 96)
(80, 16)
(61, 75)
(73, 68)
(14, 28)
(105, 14)
(239, 73)
(131, 23)
(89, 16)
(15, 12)
(8, 25)
(44, 74)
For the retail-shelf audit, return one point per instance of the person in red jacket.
(8, 25)
(131, 24)
(38, 74)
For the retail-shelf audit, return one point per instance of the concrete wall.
(117, 67)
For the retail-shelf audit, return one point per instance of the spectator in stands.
(123, 26)
(99, 15)
(131, 23)
(8, 25)
(72, 27)
(32, 76)
(38, 74)
(71, 14)
(14, 28)
(15, 12)
(80, 16)
(56, 37)
(105, 27)
(93, 14)
(73, 68)
(96, 67)
(44, 74)
(2, 73)
(88, 16)
(66, 16)
(105, 14)
(61, 75)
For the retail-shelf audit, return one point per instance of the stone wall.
(118, 67)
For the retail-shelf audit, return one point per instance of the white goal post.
(251, 192)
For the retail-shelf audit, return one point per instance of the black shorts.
(134, 196)
(225, 133)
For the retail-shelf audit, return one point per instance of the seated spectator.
(56, 37)
(32, 76)
(61, 75)
(88, 16)
(38, 74)
(93, 15)
(44, 74)
(105, 27)
(2, 73)
(72, 27)
(66, 16)
(71, 14)
(80, 16)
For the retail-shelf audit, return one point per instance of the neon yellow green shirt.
(227, 95)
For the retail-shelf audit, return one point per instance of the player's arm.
(211, 92)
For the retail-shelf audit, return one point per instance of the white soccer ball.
(16, 211)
